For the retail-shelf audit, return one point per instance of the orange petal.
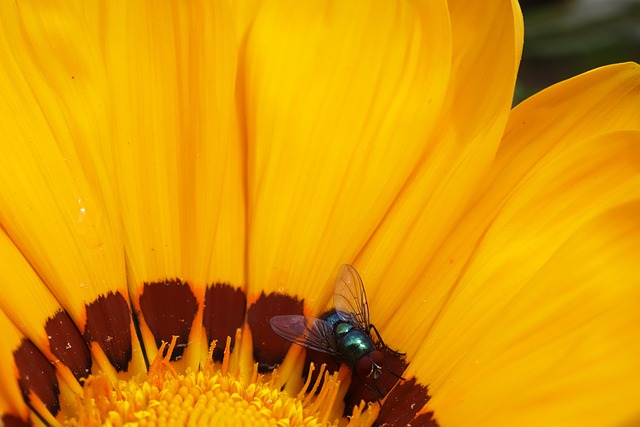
(177, 159)
(487, 268)
(560, 346)
(339, 98)
(11, 403)
(399, 255)
(52, 205)
(38, 315)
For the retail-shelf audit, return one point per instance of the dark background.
(567, 37)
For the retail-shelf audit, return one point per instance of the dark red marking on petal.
(365, 388)
(403, 404)
(37, 375)
(318, 359)
(169, 308)
(109, 324)
(268, 348)
(9, 420)
(67, 344)
(425, 420)
(224, 309)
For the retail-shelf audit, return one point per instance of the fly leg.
(374, 390)
(396, 375)
(380, 393)
(397, 353)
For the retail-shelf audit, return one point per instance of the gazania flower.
(173, 176)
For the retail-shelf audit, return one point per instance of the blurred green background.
(567, 37)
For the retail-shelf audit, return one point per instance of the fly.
(344, 333)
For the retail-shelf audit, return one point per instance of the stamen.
(211, 395)
(317, 383)
(225, 359)
(312, 367)
(160, 365)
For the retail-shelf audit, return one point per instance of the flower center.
(210, 396)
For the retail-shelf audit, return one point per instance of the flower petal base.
(210, 396)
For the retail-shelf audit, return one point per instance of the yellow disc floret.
(210, 396)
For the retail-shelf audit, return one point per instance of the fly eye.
(364, 367)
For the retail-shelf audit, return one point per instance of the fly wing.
(309, 332)
(349, 298)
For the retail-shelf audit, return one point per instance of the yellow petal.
(398, 256)
(173, 71)
(519, 155)
(26, 373)
(245, 12)
(548, 182)
(29, 304)
(11, 402)
(599, 101)
(488, 38)
(563, 349)
(487, 269)
(51, 206)
(339, 100)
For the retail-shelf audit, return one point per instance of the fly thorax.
(354, 345)
(342, 329)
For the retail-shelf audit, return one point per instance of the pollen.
(210, 396)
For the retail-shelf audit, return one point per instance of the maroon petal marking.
(109, 324)
(9, 420)
(403, 404)
(67, 344)
(169, 308)
(425, 420)
(224, 309)
(365, 389)
(36, 374)
(268, 348)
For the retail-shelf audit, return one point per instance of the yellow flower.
(190, 170)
